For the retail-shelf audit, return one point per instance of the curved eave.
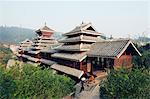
(62, 49)
(43, 30)
(77, 58)
(68, 41)
(68, 70)
(89, 55)
(47, 62)
(82, 32)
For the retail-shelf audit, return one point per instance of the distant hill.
(14, 35)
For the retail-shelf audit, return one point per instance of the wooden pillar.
(88, 67)
(81, 66)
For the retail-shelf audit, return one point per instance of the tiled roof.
(48, 50)
(48, 62)
(68, 70)
(44, 38)
(110, 48)
(46, 41)
(83, 28)
(80, 38)
(44, 44)
(34, 52)
(25, 44)
(70, 56)
(45, 28)
(33, 59)
(76, 47)
(38, 47)
(25, 56)
(26, 41)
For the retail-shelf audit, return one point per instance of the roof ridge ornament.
(83, 22)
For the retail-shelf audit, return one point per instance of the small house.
(111, 54)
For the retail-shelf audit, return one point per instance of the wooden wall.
(124, 60)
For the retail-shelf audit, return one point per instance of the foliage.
(6, 58)
(7, 85)
(126, 84)
(145, 47)
(5, 50)
(5, 55)
(33, 82)
(144, 60)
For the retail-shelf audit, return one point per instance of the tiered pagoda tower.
(71, 56)
(44, 40)
(23, 45)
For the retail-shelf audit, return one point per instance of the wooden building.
(44, 40)
(81, 53)
(111, 54)
(71, 56)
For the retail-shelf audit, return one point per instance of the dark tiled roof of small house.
(110, 48)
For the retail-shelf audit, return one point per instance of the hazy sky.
(117, 18)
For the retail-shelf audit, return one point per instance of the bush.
(5, 50)
(126, 84)
(143, 61)
(7, 85)
(5, 55)
(6, 58)
(33, 82)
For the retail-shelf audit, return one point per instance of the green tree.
(6, 58)
(126, 84)
(7, 85)
(142, 61)
(5, 55)
(33, 82)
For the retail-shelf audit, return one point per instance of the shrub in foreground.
(7, 85)
(126, 84)
(33, 82)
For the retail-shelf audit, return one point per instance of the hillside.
(14, 35)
